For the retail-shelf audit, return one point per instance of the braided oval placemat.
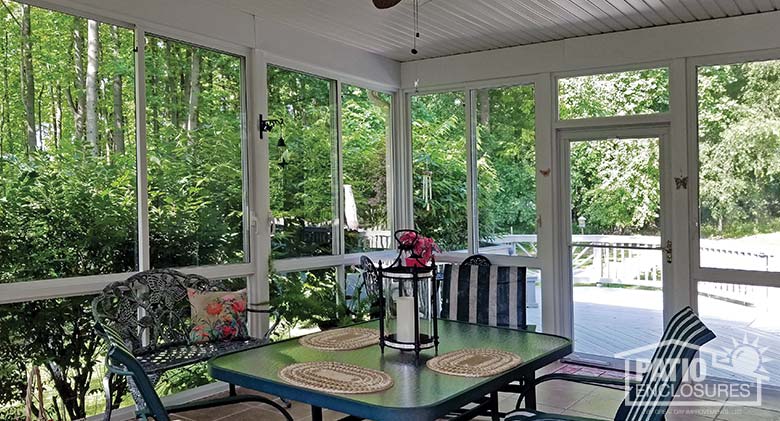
(478, 362)
(336, 377)
(341, 339)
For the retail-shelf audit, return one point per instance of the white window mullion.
(142, 188)
(472, 219)
(338, 161)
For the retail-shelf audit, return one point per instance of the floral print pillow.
(217, 315)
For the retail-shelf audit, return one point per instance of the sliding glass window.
(739, 168)
(506, 170)
(302, 163)
(195, 138)
(67, 146)
(366, 133)
(439, 168)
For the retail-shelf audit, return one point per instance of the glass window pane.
(747, 324)
(195, 136)
(67, 146)
(614, 94)
(302, 166)
(308, 301)
(506, 170)
(439, 155)
(366, 132)
(61, 333)
(739, 169)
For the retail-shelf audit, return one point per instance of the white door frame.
(564, 137)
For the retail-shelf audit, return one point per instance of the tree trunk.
(194, 93)
(28, 81)
(78, 104)
(171, 84)
(58, 115)
(483, 97)
(117, 134)
(93, 49)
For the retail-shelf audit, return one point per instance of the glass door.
(616, 246)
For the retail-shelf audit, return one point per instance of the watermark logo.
(733, 373)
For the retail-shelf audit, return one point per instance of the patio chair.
(477, 291)
(147, 317)
(647, 399)
(121, 362)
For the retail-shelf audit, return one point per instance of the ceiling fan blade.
(385, 4)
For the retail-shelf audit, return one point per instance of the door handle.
(668, 251)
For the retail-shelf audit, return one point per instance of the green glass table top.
(415, 386)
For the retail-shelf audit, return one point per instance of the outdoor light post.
(581, 224)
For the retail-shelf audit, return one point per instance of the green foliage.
(67, 210)
(507, 161)
(611, 94)
(439, 152)
(314, 299)
(739, 140)
(615, 185)
(302, 192)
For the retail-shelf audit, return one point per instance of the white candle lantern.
(409, 301)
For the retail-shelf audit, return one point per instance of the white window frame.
(699, 273)
(23, 291)
(340, 260)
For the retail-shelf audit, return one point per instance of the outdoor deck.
(614, 320)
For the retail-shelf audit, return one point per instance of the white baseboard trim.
(190, 395)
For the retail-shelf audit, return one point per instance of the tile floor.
(555, 397)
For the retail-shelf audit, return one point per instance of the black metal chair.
(121, 362)
(649, 398)
(145, 321)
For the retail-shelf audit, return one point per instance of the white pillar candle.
(405, 319)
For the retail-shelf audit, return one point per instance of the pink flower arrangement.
(422, 248)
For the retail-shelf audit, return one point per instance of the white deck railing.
(631, 260)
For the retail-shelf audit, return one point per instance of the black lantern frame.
(409, 280)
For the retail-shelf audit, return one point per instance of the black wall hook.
(267, 125)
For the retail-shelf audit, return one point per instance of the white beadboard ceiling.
(460, 26)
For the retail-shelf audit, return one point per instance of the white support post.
(472, 218)
(402, 163)
(552, 216)
(260, 201)
(680, 290)
(339, 246)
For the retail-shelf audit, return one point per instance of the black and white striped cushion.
(684, 335)
(486, 294)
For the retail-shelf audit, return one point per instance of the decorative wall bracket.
(264, 126)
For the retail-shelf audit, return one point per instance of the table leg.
(494, 415)
(530, 397)
(316, 413)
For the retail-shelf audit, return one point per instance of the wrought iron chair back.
(151, 309)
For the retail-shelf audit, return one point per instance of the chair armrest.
(608, 382)
(591, 380)
(277, 317)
